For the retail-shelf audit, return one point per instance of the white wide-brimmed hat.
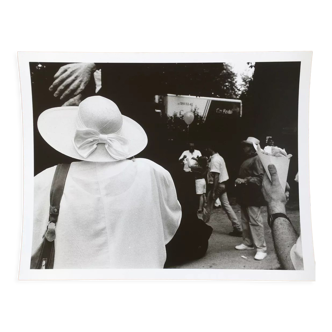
(93, 131)
(251, 141)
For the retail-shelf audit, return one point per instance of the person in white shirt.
(188, 157)
(269, 145)
(115, 212)
(200, 170)
(219, 177)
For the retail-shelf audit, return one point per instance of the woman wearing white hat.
(115, 212)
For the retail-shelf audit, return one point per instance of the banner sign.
(211, 108)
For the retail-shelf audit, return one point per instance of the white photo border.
(25, 273)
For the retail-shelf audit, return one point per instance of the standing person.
(186, 182)
(251, 200)
(118, 83)
(269, 144)
(200, 170)
(219, 175)
(188, 157)
(115, 212)
(209, 178)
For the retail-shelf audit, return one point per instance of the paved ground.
(221, 253)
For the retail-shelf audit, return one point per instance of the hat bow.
(87, 140)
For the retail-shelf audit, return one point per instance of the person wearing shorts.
(200, 171)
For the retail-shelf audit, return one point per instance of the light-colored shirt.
(218, 165)
(268, 149)
(296, 255)
(108, 220)
(188, 161)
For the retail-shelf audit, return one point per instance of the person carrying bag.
(116, 211)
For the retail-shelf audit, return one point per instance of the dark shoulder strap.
(58, 186)
(44, 257)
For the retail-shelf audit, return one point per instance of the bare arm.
(196, 168)
(284, 234)
(215, 177)
(284, 237)
(182, 157)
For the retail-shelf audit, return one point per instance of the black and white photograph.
(164, 166)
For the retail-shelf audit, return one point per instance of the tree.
(195, 79)
(270, 106)
(246, 81)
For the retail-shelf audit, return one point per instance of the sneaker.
(260, 255)
(235, 233)
(242, 246)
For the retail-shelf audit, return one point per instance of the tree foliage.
(195, 79)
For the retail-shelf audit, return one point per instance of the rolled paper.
(281, 162)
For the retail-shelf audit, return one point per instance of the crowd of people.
(252, 191)
(118, 211)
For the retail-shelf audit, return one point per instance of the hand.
(273, 192)
(72, 79)
(75, 101)
(239, 181)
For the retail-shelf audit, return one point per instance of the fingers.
(73, 90)
(75, 101)
(266, 181)
(274, 174)
(59, 81)
(61, 71)
(65, 87)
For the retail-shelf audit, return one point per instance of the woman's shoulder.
(44, 178)
(46, 173)
(149, 165)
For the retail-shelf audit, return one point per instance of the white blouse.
(109, 220)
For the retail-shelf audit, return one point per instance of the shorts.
(200, 185)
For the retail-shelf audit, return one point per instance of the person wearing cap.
(115, 212)
(250, 198)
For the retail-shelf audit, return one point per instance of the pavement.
(221, 253)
